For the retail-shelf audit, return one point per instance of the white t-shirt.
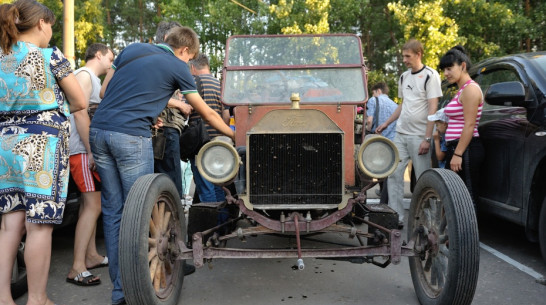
(415, 88)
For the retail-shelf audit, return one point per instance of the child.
(440, 118)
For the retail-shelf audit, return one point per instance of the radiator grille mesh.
(295, 168)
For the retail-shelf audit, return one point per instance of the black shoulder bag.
(195, 135)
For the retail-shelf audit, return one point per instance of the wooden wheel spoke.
(152, 254)
(155, 214)
(166, 220)
(153, 267)
(161, 215)
(152, 242)
(153, 228)
(163, 277)
(157, 276)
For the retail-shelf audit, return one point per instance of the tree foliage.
(485, 27)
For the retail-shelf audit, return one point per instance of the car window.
(489, 78)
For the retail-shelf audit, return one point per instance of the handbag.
(158, 143)
(193, 137)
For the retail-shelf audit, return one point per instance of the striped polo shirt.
(209, 89)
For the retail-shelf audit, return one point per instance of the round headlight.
(377, 156)
(218, 161)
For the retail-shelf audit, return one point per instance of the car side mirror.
(506, 94)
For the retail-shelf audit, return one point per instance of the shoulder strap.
(375, 120)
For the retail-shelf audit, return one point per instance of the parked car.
(295, 164)
(513, 132)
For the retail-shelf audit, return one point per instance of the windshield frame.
(308, 71)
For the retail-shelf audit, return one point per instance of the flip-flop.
(104, 263)
(84, 279)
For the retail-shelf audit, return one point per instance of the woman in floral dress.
(34, 81)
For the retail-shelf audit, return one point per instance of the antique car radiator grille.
(295, 169)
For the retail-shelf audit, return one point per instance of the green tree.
(297, 17)
(426, 22)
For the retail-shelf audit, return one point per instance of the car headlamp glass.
(218, 162)
(377, 156)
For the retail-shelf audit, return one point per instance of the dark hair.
(457, 55)
(92, 50)
(414, 45)
(183, 36)
(200, 61)
(20, 17)
(162, 28)
(382, 86)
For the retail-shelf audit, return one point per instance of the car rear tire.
(19, 276)
(442, 220)
(151, 227)
(542, 229)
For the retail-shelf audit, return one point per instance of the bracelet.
(458, 155)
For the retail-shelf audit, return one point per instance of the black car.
(513, 132)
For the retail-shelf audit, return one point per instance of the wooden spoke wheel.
(443, 223)
(152, 226)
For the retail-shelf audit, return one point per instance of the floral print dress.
(34, 164)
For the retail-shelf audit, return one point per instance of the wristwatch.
(428, 139)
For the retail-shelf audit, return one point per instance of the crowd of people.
(55, 121)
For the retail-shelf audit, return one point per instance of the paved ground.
(322, 282)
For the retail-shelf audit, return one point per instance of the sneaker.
(378, 192)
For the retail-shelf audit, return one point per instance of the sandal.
(104, 263)
(84, 279)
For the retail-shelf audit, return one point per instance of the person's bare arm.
(432, 108)
(209, 115)
(471, 98)
(73, 92)
(180, 105)
(440, 155)
(225, 115)
(105, 82)
(394, 116)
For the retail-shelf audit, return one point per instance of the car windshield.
(268, 69)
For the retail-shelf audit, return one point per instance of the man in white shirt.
(420, 88)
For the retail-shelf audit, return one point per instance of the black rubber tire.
(143, 208)
(447, 273)
(19, 287)
(542, 229)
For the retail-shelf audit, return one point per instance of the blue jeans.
(208, 192)
(170, 164)
(120, 159)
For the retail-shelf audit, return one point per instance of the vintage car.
(298, 172)
(513, 131)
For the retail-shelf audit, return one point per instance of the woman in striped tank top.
(465, 151)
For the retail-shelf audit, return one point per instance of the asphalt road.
(273, 281)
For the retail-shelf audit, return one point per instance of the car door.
(502, 131)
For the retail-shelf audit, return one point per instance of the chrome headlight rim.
(229, 177)
(370, 139)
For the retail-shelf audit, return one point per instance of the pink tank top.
(454, 111)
